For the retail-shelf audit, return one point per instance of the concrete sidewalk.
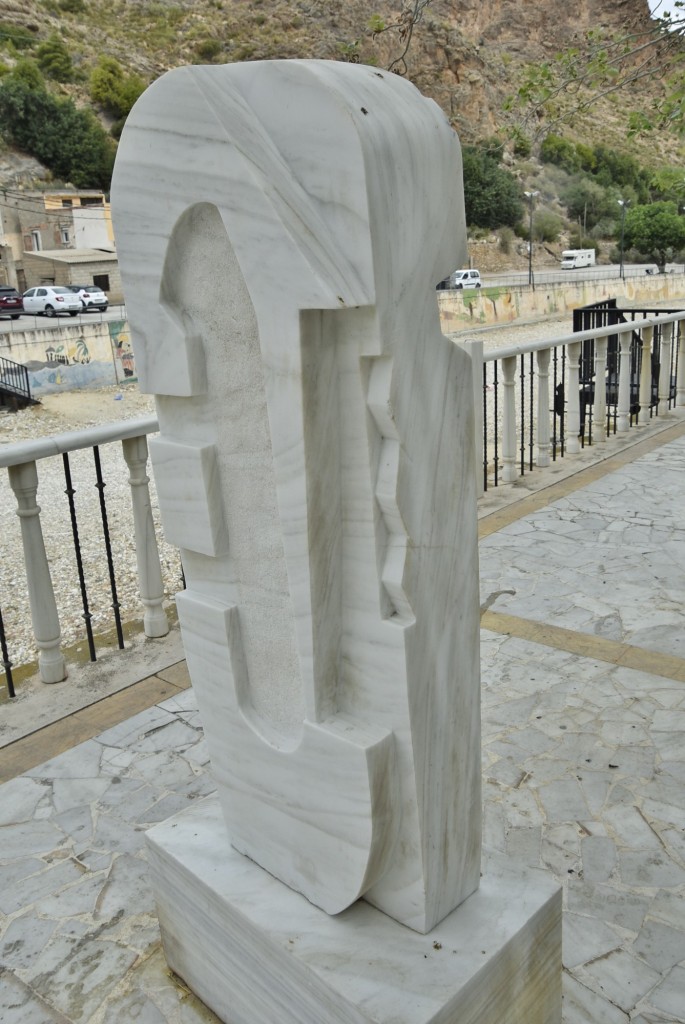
(583, 593)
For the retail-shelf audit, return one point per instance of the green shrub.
(72, 6)
(54, 59)
(492, 195)
(71, 143)
(506, 238)
(15, 36)
(113, 89)
(557, 150)
(546, 226)
(208, 49)
(27, 71)
(522, 146)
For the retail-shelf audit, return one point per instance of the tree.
(587, 201)
(113, 89)
(656, 231)
(54, 59)
(401, 26)
(492, 195)
(70, 142)
(551, 93)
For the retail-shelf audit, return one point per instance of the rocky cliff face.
(466, 54)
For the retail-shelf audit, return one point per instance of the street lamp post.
(530, 196)
(623, 203)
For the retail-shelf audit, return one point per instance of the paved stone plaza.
(583, 673)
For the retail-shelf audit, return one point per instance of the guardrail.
(21, 460)
(547, 399)
(33, 321)
(554, 275)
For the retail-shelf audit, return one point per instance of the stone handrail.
(510, 442)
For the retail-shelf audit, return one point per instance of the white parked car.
(462, 279)
(91, 296)
(51, 300)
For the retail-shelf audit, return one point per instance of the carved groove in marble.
(321, 203)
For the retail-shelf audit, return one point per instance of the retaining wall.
(476, 307)
(67, 357)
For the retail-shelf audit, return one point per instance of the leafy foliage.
(54, 59)
(603, 63)
(492, 195)
(70, 142)
(113, 89)
(555, 149)
(27, 71)
(15, 36)
(656, 231)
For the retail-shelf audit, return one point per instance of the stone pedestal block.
(257, 952)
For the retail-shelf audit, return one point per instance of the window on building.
(67, 202)
(36, 241)
(101, 281)
(64, 232)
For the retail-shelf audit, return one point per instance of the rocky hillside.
(468, 55)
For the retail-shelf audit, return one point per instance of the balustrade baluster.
(680, 369)
(509, 471)
(155, 622)
(44, 618)
(665, 369)
(600, 397)
(623, 407)
(645, 395)
(573, 407)
(542, 457)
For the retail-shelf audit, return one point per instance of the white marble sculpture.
(281, 227)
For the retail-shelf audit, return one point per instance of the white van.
(462, 279)
(571, 259)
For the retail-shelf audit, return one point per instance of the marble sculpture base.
(258, 953)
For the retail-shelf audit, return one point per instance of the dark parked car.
(90, 295)
(11, 302)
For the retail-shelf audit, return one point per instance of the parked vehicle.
(51, 300)
(10, 302)
(91, 296)
(572, 259)
(462, 279)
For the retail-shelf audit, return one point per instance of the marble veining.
(335, 636)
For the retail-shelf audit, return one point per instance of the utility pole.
(530, 196)
(623, 203)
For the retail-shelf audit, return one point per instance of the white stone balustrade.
(20, 460)
(672, 333)
(24, 483)
(600, 392)
(155, 622)
(645, 387)
(665, 369)
(680, 375)
(509, 472)
(573, 399)
(623, 415)
(542, 458)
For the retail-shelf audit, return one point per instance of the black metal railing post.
(6, 663)
(70, 492)
(100, 485)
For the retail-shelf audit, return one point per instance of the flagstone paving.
(583, 766)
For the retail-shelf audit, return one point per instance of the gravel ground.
(75, 410)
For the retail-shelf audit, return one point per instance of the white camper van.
(571, 259)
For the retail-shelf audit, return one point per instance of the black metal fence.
(594, 317)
